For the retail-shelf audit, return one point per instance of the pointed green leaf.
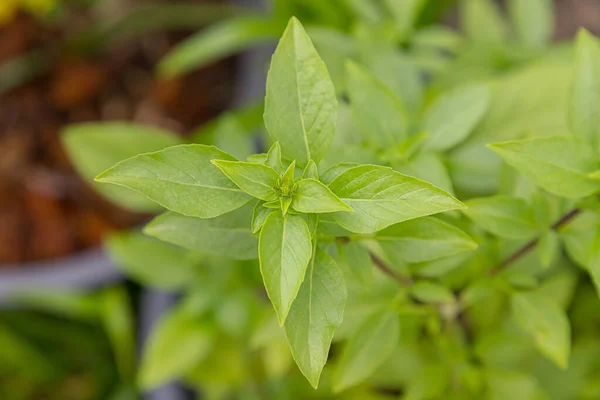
(259, 216)
(314, 197)
(558, 164)
(377, 109)
(505, 216)
(533, 20)
(430, 292)
(311, 171)
(357, 259)
(274, 158)
(316, 312)
(584, 103)
(424, 239)
(429, 167)
(257, 180)
(181, 179)
(94, 147)
(541, 317)
(453, 116)
(367, 349)
(301, 105)
(382, 197)
(284, 251)
(548, 247)
(226, 236)
(284, 204)
(483, 23)
(335, 170)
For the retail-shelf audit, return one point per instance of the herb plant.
(374, 297)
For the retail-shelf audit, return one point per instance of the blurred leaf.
(505, 216)
(548, 247)
(335, 48)
(482, 21)
(218, 41)
(429, 167)
(430, 292)
(16, 354)
(533, 20)
(232, 136)
(151, 262)
(546, 323)
(358, 261)
(405, 14)
(514, 385)
(228, 235)
(368, 348)
(94, 147)
(77, 305)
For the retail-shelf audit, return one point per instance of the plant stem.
(529, 246)
(383, 267)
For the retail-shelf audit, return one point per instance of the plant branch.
(529, 246)
(383, 267)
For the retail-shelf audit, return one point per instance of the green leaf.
(274, 158)
(217, 42)
(259, 216)
(424, 239)
(226, 236)
(334, 47)
(429, 167)
(232, 137)
(540, 317)
(430, 292)
(151, 262)
(505, 216)
(548, 247)
(533, 20)
(558, 164)
(301, 105)
(284, 204)
(314, 197)
(382, 197)
(335, 170)
(482, 22)
(584, 103)
(311, 171)
(181, 179)
(405, 14)
(315, 314)
(367, 349)
(453, 116)
(356, 257)
(377, 109)
(257, 180)
(94, 147)
(284, 251)
(181, 340)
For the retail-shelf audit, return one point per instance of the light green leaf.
(558, 164)
(335, 170)
(540, 317)
(181, 179)
(382, 197)
(405, 14)
(429, 167)
(300, 106)
(316, 312)
(259, 216)
(505, 216)
(94, 147)
(226, 236)
(151, 262)
(335, 47)
(181, 340)
(357, 259)
(533, 20)
(377, 109)
(311, 171)
(367, 349)
(424, 239)
(314, 197)
(453, 116)
(548, 247)
(257, 180)
(284, 251)
(483, 23)
(232, 137)
(284, 204)
(584, 103)
(274, 158)
(216, 42)
(430, 292)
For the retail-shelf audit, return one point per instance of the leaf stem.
(383, 267)
(529, 246)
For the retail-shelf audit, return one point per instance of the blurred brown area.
(46, 210)
(574, 14)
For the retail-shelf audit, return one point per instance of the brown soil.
(46, 210)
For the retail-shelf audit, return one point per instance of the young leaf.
(284, 204)
(548, 247)
(181, 340)
(226, 236)
(424, 239)
(314, 197)
(301, 105)
(377, 109)
(150, 261)
(558, 164)
(181, 179)
(482, 22)
(405, 14)
(429, 167)
(284, 251)
(584, 103)
(259, 216)
(316, 312)
(430, 292)
(453, 116)
(382, 197)
(94, 147)
(335, 170)
(367, 349)
(505, 216)
(533, 20)
(257, 180)
(274, 158)
(311, 171)
(546, 323)
(356, 257)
